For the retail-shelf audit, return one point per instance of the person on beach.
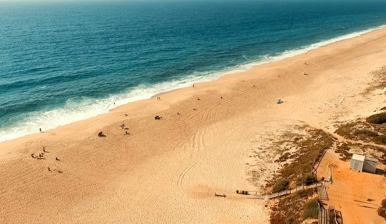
(40, 129)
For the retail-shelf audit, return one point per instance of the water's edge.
(75, 111)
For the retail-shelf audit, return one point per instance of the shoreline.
(208, 142)
(109, 104)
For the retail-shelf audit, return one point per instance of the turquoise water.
(64, 62)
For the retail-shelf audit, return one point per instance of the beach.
(168, 170)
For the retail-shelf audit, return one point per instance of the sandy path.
(167, 171)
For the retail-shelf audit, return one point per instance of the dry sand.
(356, 195)
(168, 170)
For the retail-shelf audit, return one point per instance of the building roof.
(372, 159)
(358, 157)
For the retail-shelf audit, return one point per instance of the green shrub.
(377, 118)
(343, 149)
(310, 179)
(381, 139)
(311, 209)
(281, 185)
(366, 133)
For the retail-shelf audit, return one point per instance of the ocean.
(64, 62)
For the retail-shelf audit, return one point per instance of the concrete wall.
(370, 166)
(356, 165)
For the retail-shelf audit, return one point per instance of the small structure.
(370, 164)
(357, 162)
(362, 163)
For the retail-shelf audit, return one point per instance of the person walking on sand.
(40, 130)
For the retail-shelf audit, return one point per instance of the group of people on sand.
(123, 126)
(40, 155)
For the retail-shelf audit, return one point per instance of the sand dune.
(168, 170)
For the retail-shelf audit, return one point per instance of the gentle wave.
(85, 108)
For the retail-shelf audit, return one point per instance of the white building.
(362, 163)
(357, 162)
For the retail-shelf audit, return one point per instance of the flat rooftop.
(358, 157)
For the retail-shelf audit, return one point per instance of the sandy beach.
(168, 170)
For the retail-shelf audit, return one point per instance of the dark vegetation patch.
(381, 139)
(311, 209)
(364, 131)
(382, 210)
(283, 158)
(292, 208)
(280, 185)
(370, 135)
(299, 170)
(343, 149)
(310, 179)
(381, 153)
(358, 131)
(377, 118)
(295, 208)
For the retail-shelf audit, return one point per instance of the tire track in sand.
(205, 113)
(197, 145)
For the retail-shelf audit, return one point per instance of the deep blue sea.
(62, 62)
